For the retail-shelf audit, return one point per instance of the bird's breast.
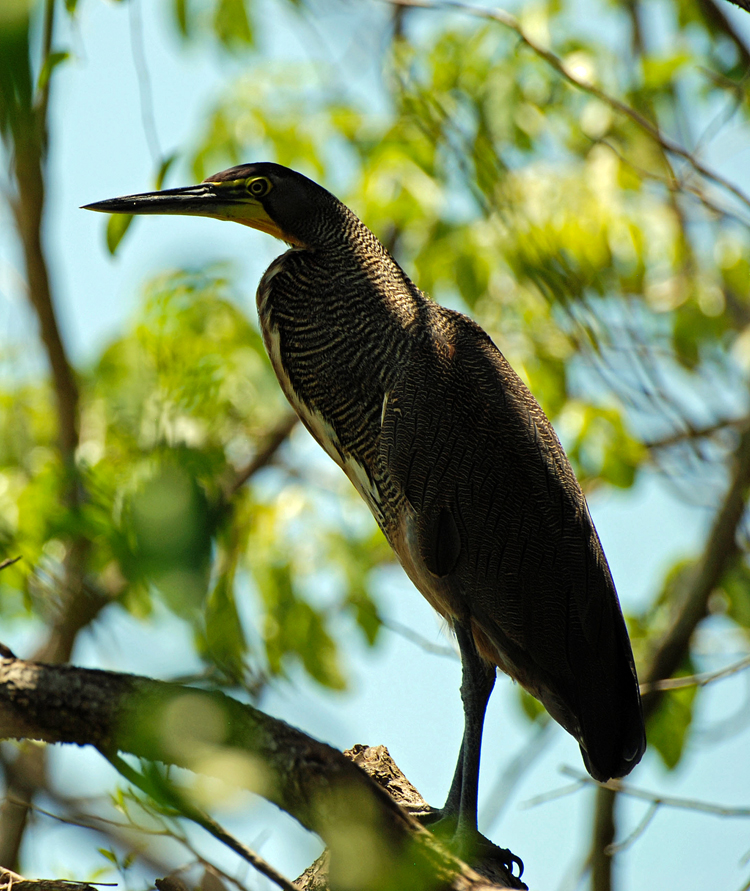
(334, 352)
(323, 428)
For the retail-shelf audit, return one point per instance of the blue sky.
(401, 696)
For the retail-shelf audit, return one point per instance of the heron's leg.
(478, 679)
(458, 816)
(453, 801)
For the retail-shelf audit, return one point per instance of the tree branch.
(719, 552)
(11, 881)
(695, 680)
(29, 147)
(742, 4)
(372, 841)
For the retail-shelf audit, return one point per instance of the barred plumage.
(454, 456)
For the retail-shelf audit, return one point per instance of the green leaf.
(50, 63)
(470, 284)
(225, 642)
(181, 16)
(117, 225)
(232, 24)
(164, 169)
(736, 586)
(293, 628)
(660, 72)
(669, 727)
(531, 707)
(366, 614)
(15, 69)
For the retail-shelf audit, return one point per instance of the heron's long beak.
(221, 201)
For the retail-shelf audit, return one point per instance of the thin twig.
(720, 551)
(562, 792)
(686, 804)
(617, 847)
(693, 432)
(695, 680)
(265, 453)
(514, 771)
(109, 828)
(674, 184)
(414, 637)
(9, 562)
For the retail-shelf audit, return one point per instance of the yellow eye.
(259, 187)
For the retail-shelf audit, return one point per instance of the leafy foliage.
(170, 412)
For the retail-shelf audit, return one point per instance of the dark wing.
(504, 531)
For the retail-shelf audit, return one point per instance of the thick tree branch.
(26, 138)
(28, 209)
(742, 4)
(720, 551)
(718, 20)
(373, 843)
(11, 881)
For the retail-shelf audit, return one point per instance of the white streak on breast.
(383, 409)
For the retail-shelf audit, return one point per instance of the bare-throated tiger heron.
(453, 455)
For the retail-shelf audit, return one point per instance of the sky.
(401, 695)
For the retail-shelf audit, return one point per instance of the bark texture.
(373, 842)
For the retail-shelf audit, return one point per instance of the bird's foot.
(473, 847)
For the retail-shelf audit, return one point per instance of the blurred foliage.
(170, 412)
(16, 85)
(736, 589)
(614, 277)
(228, 20)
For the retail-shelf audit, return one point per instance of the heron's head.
(266, 196)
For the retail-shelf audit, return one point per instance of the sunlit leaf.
(531, 707)
(232, 23)
(117, 225)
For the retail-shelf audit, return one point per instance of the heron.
(453, 455)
